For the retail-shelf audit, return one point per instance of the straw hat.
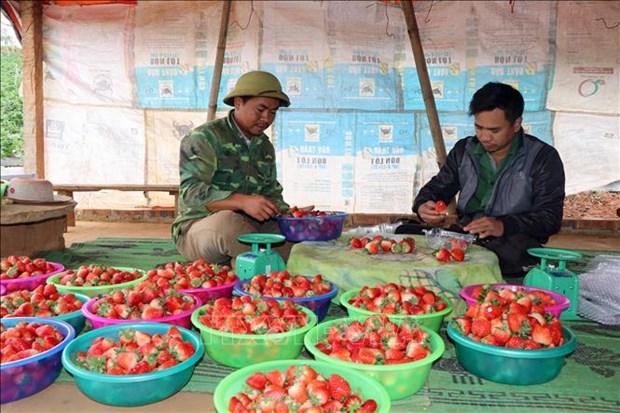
(33, 191)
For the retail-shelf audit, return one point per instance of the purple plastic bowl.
(562, 302)
(25, 377)
(207, 294)
(182, 319)
(318, 304)
(323, 228)
(30, 283)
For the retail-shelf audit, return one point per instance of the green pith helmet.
(258, 83)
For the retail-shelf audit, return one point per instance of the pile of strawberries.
(298, 389)
(247, 315)
(283, 284)
(514, 292)
(43, 301)
(197, 274)
(26, 339)
(145, 301)
(511, 319)
(297, 212)
(96, 275)
(447, 255)
(376, 341)
(136, 352)
(13, 267)
(380, 245)
(392, 298)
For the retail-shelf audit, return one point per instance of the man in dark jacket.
(510, 184)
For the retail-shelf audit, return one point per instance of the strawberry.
(481, 327)
(127, 360)
(372, 248)
(440, 207)
(256, 381)
(443, 255)
(318, 392)
(339, 387)
(356, 243)
(542, 335)
(457, 254)
(386, 245)
(416, 351)
(276, 377)
(407, 245)
(369, 406)
(464, 325)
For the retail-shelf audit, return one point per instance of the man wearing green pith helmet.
(228, 175)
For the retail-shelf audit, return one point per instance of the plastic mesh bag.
(599, 295)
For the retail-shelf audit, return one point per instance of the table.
(352, 268)
(26, 229)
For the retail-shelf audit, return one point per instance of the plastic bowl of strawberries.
(511, 343)
(398, 302)
(398, 354)
(313, 292)
(143, 302)
(240, 331)
(293, 383)
(93, 280)
(31, 351)
(300, 225)
(46, 302)
(200, 278)
(133, 364)
(23, 273)
(551, 301)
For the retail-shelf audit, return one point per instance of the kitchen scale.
(259, 260)
(556, 278)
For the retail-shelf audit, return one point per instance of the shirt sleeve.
(197, 165)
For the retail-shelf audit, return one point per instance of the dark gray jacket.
(528, 196)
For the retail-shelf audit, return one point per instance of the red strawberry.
(443, 255)
(369, 406)
(457, 254)
(297, 391)
(339, 387)
(542, 335)
(318, 392)
(127, 360)
(464, 325)
(372, 248)
(257, 381)
(481, 327)
(276, 377)
(440, 207)
(356, 243)
(416, 351)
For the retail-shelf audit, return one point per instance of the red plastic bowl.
(30, 283)
(182, 319)
(562, 302)
(207, 294)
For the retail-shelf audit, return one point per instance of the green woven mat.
(589, 382)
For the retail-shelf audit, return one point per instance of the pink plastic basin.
(182, 319)
(30, 283)
(561, 301)
(207, 294)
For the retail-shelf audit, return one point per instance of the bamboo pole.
(32, 49)
(219, 60)
(425, 83)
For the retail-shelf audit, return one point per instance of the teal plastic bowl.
(136, 389)
(75, 318)
(511, 366)
(431, 320)
(363, 386)
(400, 380)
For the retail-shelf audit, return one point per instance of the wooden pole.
(219, 60)
(32, 51)
(425, 83)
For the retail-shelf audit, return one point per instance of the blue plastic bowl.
(319, 304)
(508, 365)
(323, 228)
(135, 389)
(23, 378)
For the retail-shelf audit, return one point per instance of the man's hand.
(486, 227)
(259, 207)
(429, 214)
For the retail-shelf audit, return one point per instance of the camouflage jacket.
(215, 161)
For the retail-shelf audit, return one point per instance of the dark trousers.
(514, 261)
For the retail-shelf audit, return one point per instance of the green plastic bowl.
(432, 321)
(98, 290)
(240, 350)
(511, 366)
(361, 385)
(400, 380)
(136, 389)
